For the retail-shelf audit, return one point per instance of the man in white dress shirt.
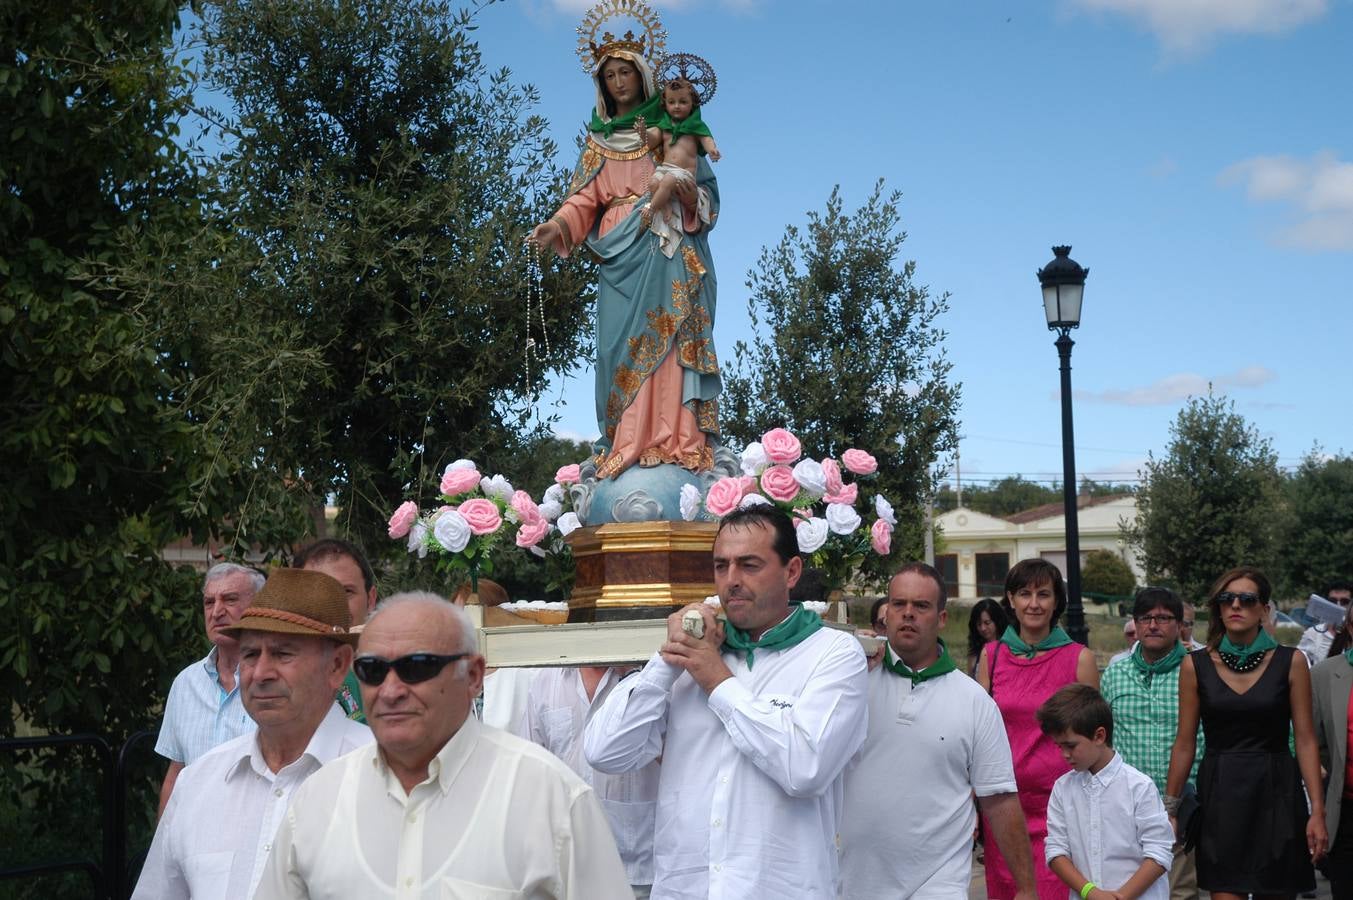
(754, 720)
(204, 708)
(935, 739)
(1315, 641)
(441, 807)
(557, 708)
(216, 832)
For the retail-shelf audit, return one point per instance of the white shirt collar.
(445, 766)
(325, 745)
(1105, 776)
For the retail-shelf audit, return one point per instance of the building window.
(991, 571)
(947, 563)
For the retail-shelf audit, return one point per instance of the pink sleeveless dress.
(1019, 686)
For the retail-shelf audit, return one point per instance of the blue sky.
(1197, 154)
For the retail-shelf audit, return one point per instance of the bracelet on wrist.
(1171, 804)
(1085, 891)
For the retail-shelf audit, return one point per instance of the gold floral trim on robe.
(687, 325)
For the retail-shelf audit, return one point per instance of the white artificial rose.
(418, 538)
(460, 464)
(753, 500)
(841, 518)
(690, 502)
(569, 523)
(754, 459)
(884, 510)
(452, 531)
(812, 534)
(551, 510)
(810, 476)
(497, 486)
(554, 494)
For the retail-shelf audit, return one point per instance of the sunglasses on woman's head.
(1247, 599)
(411, 669)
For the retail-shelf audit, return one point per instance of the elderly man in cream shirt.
(442, 806)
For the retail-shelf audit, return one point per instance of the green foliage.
(1107, 573)
(352, 314)
(96, 460)
(1213, 501)
(848, 353)
(1315, 547)
(1014, 494)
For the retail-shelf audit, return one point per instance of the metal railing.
(109, 874)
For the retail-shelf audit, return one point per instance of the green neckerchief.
(1056, 638)
(1348, 655)
(1262, 643)
(942, 666)
(648, 109)
(691, 125)
(349, 698)
(1167, 663)
(798, 625)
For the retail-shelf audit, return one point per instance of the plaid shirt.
(1145, 719)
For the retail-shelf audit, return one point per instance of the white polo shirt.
(749, 799)
(909, 816)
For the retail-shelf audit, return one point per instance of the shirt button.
(718, 822)
(718, 868)
(277, 792)
(723, 780)
(413, 817)
(408, 882)
(267, 848)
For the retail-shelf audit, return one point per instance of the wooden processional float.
(630, 577)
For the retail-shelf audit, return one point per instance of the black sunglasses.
(1247, 599)
(411, 669)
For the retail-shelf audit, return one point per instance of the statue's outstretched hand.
(545, 234)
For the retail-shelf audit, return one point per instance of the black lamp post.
(1063, 282)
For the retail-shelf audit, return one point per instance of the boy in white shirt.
(1108, 835)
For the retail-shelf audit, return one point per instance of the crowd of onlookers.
(330, 745)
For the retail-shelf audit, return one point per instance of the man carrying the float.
(755, 719)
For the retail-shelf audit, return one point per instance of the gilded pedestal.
(640, 570)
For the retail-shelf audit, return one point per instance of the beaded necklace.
(1246, 657)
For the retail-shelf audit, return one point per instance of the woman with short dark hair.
(1021, 669)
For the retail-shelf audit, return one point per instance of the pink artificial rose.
(481, 515)
(748, 483)
(881, 537)
(848, 494)
(724, 496)
(778, 481)
(568, 475)
(459, 481)
(781, 446)
(526, 509)
(532, 532)
(859, 462)
(832, 470)
(403, 519)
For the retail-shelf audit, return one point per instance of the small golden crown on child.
(652, 37)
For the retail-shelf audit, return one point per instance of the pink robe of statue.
(1019, 686)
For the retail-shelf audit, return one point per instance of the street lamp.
(1063, 282)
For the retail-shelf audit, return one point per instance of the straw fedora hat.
(299, 601)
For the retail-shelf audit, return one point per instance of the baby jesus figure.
(687, 138)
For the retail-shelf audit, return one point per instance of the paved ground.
(977, 891)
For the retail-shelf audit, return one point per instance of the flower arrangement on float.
(838, 521)
(479, 512)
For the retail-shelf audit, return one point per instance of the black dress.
(1254, 814)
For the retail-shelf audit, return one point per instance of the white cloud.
(1318, 191)
(1180, 386)
(1187, 26)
